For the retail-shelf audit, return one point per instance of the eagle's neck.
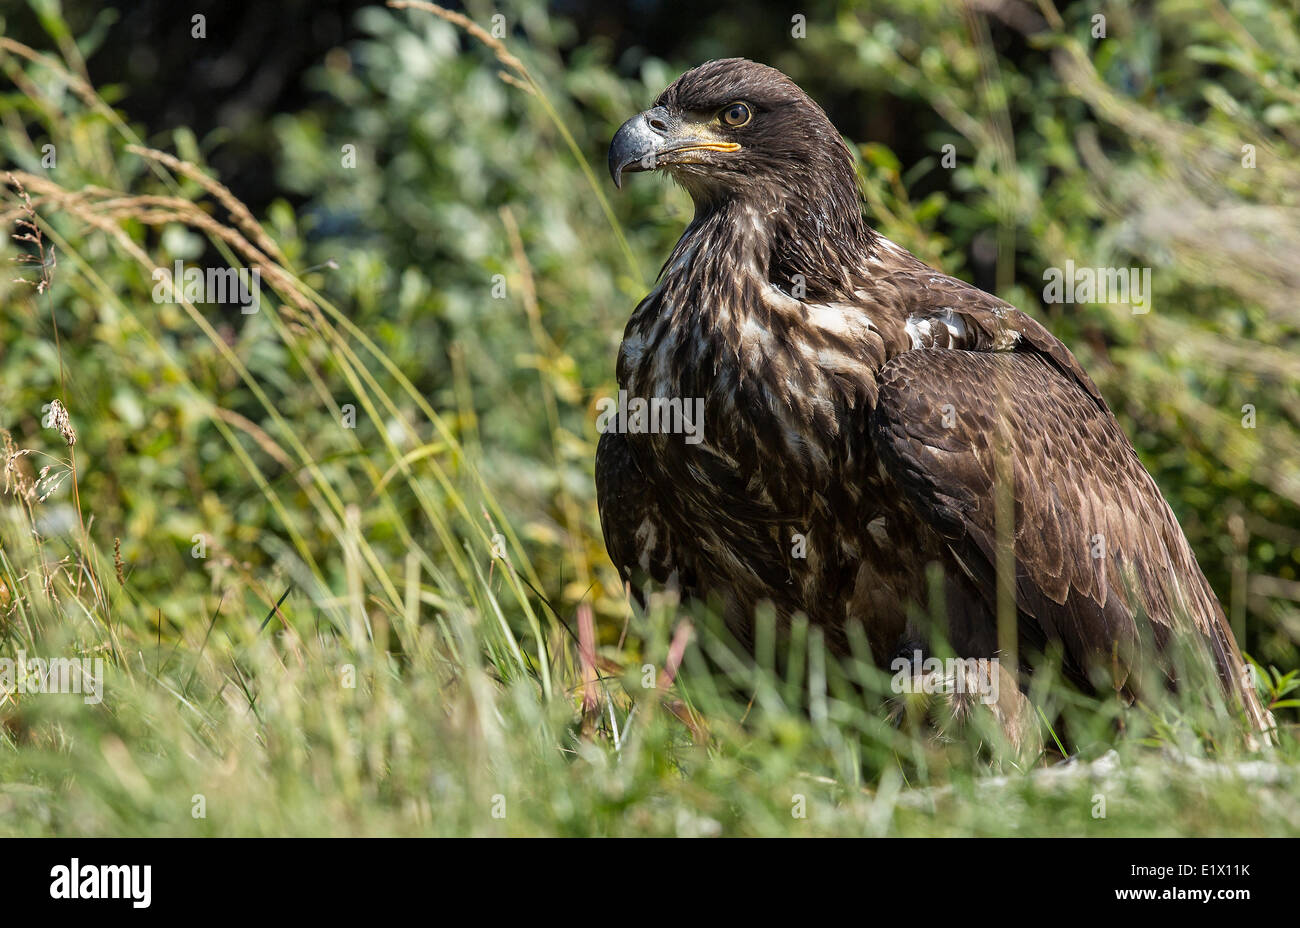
(816, 247)
(761, 293)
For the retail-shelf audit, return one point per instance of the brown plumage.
(866, 403)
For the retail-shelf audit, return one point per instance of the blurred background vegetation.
(454, 267)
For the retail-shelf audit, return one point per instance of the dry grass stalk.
(60, 420)
(519, 78)
(239, 212)
(30, 233)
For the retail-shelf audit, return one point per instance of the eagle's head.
(733, 128)
(756, 153)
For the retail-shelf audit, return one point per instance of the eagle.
(865, 417)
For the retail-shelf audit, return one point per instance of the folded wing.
(1101, 563)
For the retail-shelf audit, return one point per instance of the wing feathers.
(1096, 546)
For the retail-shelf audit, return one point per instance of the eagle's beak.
(651, 139)
(638, 143)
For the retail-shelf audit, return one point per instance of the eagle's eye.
(735, 115)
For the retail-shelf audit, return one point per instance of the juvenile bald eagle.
(861, 410)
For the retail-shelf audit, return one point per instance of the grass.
(310, 628)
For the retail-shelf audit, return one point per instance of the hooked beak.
(655, 138)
